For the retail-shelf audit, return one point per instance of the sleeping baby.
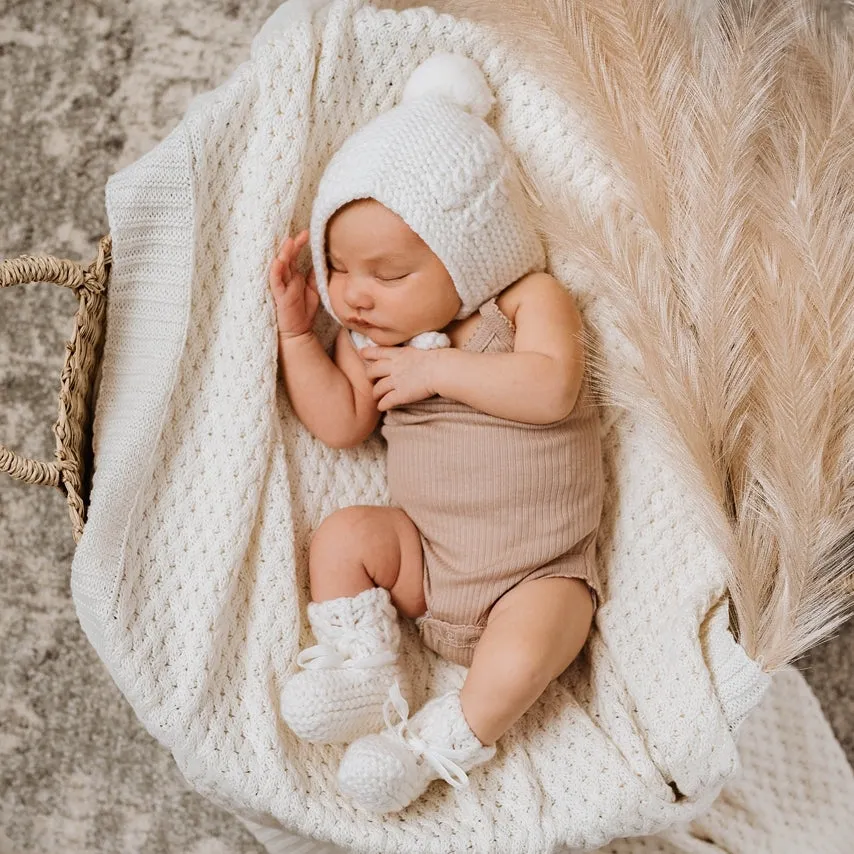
(454, 336)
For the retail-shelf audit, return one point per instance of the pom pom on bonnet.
(440, 167)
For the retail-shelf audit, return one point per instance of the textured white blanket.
(191, 577)
(793, 794)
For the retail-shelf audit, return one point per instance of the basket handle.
(89, 285)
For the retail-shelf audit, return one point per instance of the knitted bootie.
(387, 771)
(346, 677)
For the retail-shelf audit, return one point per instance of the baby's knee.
(364, 538)
(338, 522)
(538, 630)
(524, 667)
(339, 532)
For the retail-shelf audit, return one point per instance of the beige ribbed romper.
(496, 501)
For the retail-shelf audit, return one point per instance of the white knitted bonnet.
(440, 167)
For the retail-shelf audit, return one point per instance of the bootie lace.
(342, 651)
(440, 759)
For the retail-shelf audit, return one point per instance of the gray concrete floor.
(91, 87)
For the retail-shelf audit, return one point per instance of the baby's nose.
(358, 295)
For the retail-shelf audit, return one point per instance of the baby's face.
(382, 272)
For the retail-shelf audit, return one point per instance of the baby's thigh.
(551, 617)
(385, 541)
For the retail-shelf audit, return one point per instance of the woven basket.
(71, 472)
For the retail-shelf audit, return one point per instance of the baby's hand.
(296, 300)
(402, 374)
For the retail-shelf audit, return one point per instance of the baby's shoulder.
(531, 286)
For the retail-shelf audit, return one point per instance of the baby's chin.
(382, 337)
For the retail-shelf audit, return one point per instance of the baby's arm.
(333, 399)
(352, 366)
(538, 382)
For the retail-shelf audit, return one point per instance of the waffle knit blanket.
(191, 576)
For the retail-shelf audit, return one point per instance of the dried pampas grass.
(727, 260)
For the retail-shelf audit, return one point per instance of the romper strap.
(493, 323)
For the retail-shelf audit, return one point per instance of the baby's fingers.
(296, 248)
(286, 250)
(291, 246)
(283, 284)
(276, 273)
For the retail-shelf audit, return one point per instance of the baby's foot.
(339, 694)
(387, 771)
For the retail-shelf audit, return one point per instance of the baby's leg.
(365, 566)
(357, 548)
(533, 634)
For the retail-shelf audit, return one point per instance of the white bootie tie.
(387, 771)
(346, 677)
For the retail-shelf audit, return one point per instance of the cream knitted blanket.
(191, 576)
(792, 795)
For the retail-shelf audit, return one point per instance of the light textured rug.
(90, 87)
